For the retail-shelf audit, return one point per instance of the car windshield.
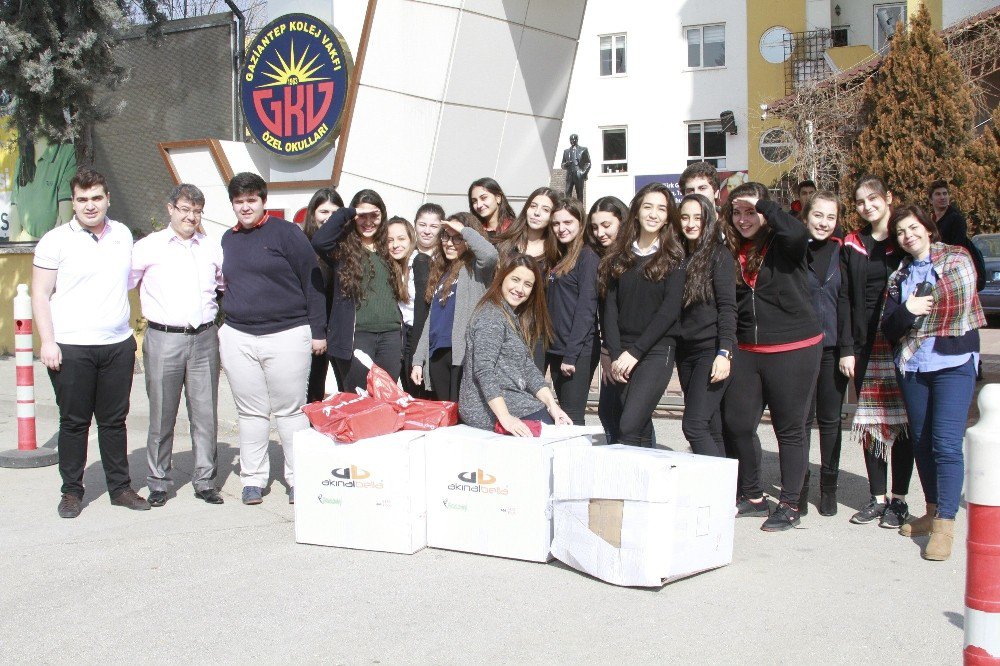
(989, 245)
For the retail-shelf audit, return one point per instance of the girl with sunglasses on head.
(502, 384)
(572, 301)
(779, 344)
(490, 206)
(706, 334)
(367, 288)
(461, 270)
(642, 282)
(324, 203)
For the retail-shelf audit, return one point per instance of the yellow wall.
(16, 269)
(933, 6)
(766, 81)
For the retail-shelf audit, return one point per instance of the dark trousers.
(445, 377)
(937, 404)
(825, 410)
(900, 454)
(784, 381)
(542, 415)
(702, 420)
(386, 351)
(609, 409)
(415, 390)
(94, 381)
(642, 392)
(574, 390)
(316, 386)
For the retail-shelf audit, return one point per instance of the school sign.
(294, 85)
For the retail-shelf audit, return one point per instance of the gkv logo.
(294, 84)
(478, 481)
(351, 477)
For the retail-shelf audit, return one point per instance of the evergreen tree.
(56, 60)
(981, 194)
(917, 117)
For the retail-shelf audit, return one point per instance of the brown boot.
(939, 547)
(922, 525)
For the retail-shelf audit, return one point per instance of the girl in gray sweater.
(501, 382)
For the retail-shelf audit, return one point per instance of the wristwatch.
(728, 355)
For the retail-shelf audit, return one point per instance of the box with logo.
(642, 517)
(489, 493)
(368, 495)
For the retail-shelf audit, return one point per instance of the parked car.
(989, 245)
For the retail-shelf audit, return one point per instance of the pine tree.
(980, 196)
(56, 60)
(917, 116)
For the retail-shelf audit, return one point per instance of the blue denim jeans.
(937, 404)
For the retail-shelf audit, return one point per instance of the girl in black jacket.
(779, 347)
(643, 282)
(829, 286)
(706, 332)
(572, 302)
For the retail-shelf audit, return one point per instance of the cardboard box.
(368, 495)
(489, 493)
(643, 517)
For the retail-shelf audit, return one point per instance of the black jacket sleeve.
(665, 317)
(421, 273)
(303, 262)
(896, 319)
(612, 335)
(845, 337)
(789, 233)
(327, 237)
(724, 290)
(854, 268)
(585, 310)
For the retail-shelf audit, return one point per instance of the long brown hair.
(735, 240)
(322, 196)
(505, 214)
(533, 314)
(608, 204)
(570, 253)
(444, 270)
(404, 263)
(354, 260)
(619, 257)
(515, 239)
(701, 257)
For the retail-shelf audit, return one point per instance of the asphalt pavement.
(190, 581)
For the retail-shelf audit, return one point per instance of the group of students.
(757, 307)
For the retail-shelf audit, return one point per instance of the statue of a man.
(576, 162)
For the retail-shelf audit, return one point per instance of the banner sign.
(294, 84)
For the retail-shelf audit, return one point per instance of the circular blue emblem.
(294, 84)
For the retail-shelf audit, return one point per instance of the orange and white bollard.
(982, 493)
(27, 453)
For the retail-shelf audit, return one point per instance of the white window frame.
(614, 37)
(605, 163)
(875, 26)
(701, 45)
(789, 144)
(722, 159)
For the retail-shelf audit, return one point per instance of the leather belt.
(186, 330)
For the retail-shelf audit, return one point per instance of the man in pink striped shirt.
(179, 272)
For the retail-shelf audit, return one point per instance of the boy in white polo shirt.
(79, 293)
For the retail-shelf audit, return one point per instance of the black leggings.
(900, 453)
(316, 388)
(825, 409)
(572, 391)
(609, 409)
(702, 420)
(445, 377)
(641, 393)
(385, 349)
(781, 381)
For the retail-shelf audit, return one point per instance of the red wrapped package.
(534, 426)
(348, 417)
(417, 414)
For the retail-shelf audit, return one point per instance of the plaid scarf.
(956, 308)
(881, 415)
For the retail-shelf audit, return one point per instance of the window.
(772, 44)
(615, 142)
(776, 145)
(706, 45)
(887, 18)
(839, 35)
(706, 141)
(612, 54)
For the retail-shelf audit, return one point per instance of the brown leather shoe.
(70, 506)
(130, 499)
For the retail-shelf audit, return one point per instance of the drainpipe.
(238, 133)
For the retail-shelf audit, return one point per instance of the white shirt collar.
(636, 250)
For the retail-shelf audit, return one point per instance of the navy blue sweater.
(572, 301)
(273, 281)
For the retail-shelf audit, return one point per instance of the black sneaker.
(869, 512)
(747, 509)
(783, 518)
(896, 513)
